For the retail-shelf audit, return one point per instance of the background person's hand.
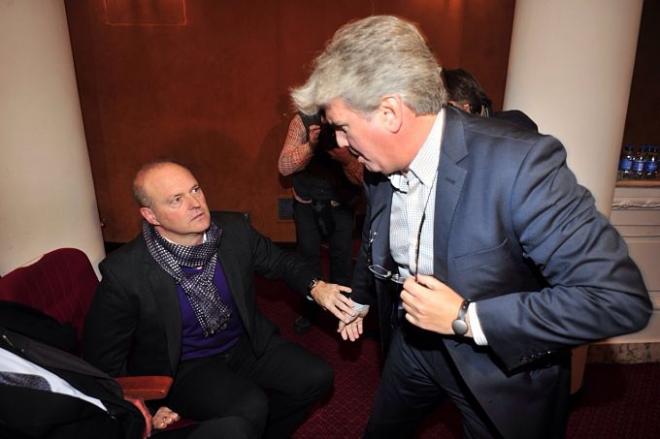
(314, 131)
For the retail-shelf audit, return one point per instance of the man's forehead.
(169, 179)
(336, 110)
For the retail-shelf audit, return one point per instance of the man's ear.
(390, 113)
(149, 216)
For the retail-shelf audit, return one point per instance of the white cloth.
(10, 362)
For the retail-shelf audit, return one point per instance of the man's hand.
(163, 418)
(430, 304)
(314, 131)
(330, 298)
(353, 330)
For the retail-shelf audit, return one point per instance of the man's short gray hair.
(368, 59)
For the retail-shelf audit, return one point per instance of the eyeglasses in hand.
(383, 273)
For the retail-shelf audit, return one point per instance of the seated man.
(179, 300)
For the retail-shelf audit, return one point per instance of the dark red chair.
(61, 284)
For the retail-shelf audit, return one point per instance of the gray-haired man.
(489, 260)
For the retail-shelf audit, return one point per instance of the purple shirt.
(193, 342)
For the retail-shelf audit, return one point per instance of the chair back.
(61, 284)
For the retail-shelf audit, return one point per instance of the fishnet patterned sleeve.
(296, 152)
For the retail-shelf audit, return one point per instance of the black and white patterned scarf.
(211, 312)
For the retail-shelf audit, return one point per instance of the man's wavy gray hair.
(368, 59)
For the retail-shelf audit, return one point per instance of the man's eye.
(196, 190)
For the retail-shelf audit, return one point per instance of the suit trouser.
(417, 376)
(269, 395)
(340, 241)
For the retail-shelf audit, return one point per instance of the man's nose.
(342, 141)
(194, 202)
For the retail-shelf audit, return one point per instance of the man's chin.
(201, 223)
(371, 167)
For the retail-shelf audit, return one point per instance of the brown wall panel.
(206, 82)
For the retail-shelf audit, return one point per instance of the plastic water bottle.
(626, 162)
(639, 163)
(651, 165)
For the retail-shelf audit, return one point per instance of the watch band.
(310, 286)
(459, 325)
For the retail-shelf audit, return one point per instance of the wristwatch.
(460, 326)
(310, 286)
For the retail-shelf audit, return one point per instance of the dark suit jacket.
(516, 234)
(134, 323)
(35, 413)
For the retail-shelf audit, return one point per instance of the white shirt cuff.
(475, 325)
(359, 308)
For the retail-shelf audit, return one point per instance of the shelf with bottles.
(643, 182)
(638, 166)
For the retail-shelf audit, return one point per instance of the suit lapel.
(451, 178)
(379, 228)
(163, 288)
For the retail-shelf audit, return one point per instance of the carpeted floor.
(616, 401)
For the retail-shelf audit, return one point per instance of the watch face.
(459, 327)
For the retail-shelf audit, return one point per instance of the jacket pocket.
(497, 256)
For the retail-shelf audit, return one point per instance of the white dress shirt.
(413, 198)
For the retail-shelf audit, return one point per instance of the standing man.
(179, 300)
(505, 262)
(326, 187)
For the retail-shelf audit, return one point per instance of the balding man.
(179, 300)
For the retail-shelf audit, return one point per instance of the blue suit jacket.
(516, 234)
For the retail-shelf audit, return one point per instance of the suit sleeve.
(273, 263)
(594, 289)
(109, 325)
(362, 286)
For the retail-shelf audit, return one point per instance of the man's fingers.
(412, 319)
(341, 315)
(429, 281)
(351, 331)
(346, 309)
(408, 301)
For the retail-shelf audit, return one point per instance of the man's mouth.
(198, 216)
(353, 151)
